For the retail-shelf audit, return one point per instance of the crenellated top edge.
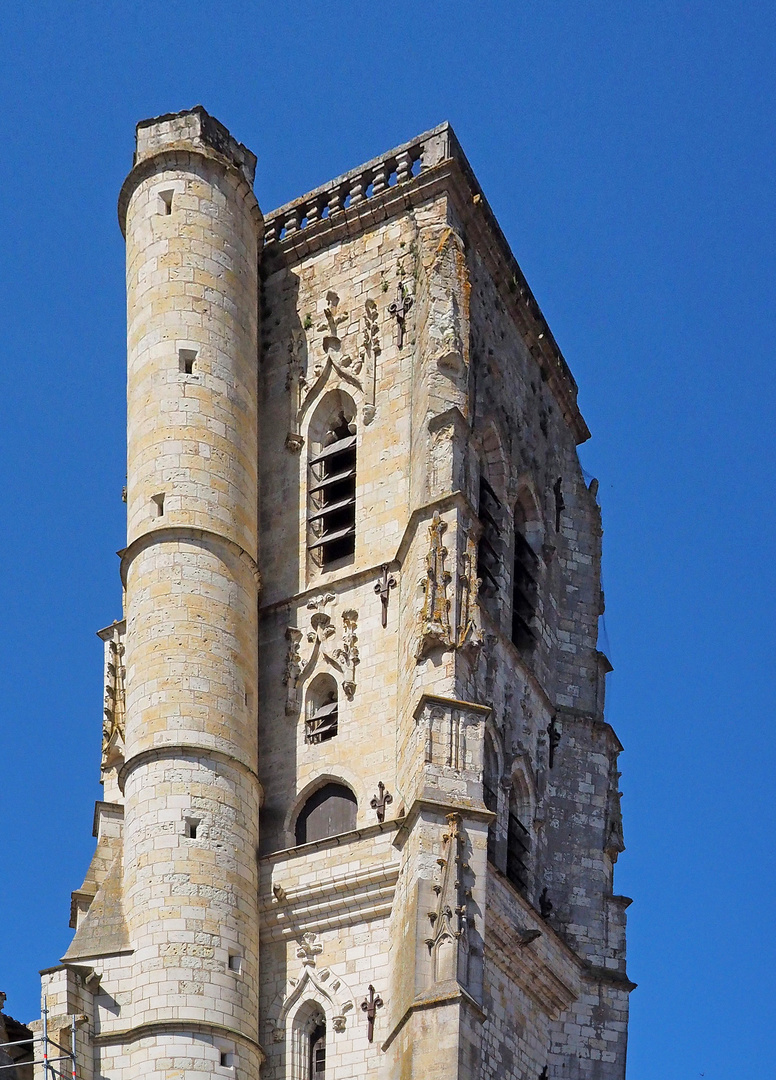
(199, 129)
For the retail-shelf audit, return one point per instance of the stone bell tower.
(388, 768)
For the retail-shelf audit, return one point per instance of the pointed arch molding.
(325, 988)
(331, 365)
(332, 648)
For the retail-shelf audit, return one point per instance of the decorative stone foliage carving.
(370, 352)
(309, 948)
(400, 309)
(328, 648)
(469, 629)
(296, 384)
(435, 613)
(323, 986)
(114, 707)
(614, 843)
(347, 654)
(330, 357)
(448, 941)
(292, 670)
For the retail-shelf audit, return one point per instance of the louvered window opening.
(322, 724)
(524, 591)
(332, 516)
(317, 1066)
(518, 847)
(490, 798)
(488, 555)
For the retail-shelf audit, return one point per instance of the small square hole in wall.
(165, 202)
(235, 962)
(190, 828)
(157, 505)
(186, 360)
(227, 1059)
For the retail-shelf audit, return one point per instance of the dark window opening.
(329, 811)
(518, 848)
(186, 360)
(332, 516)
(489, 552)
(165, 199)
(157, 503)
(317, 1061)
(192, 824)
(490, 794)
(322, 722)
(525, 573)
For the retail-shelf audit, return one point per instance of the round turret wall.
(192, 795)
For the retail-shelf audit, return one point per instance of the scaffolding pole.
(53, 1069)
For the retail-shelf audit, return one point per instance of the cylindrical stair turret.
(193, 230)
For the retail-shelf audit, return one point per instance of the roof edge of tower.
(174, 140)
(405, 176)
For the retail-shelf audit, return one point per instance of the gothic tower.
(410, 699)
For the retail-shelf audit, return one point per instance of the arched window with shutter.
(331, 515)
(321, 709)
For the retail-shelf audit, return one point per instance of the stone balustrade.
(399, 166)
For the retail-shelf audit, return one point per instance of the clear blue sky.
(628, 152)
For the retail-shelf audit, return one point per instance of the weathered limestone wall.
(389, 302)
(190, 775)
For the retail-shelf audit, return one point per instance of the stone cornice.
(182, 155)
(184, 532)
(183, 750)
(178, 1026)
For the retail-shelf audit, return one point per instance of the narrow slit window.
(227, 1059)
(518, 846)
(235, 963)
(490, 794)
(187, 358)
(191, 827)
(157, 505)
(524, 586)
(332, 492)
(489, 555)
(317, 1060)
(165, 203)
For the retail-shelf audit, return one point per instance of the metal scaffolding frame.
(53, 1069)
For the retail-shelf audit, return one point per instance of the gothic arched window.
(321, 710)
(329, 811)
(331, 516)
(525, 574)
